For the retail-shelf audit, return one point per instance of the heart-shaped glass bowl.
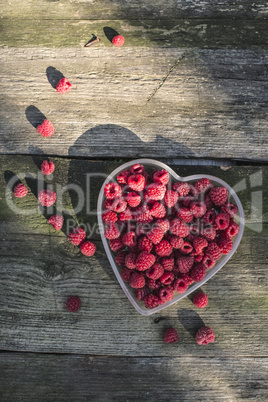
(151, 164)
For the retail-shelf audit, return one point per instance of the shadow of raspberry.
(190, 320)
(34, 116)
(110, 33)
(53, 76)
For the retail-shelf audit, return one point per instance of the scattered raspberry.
(63, 86)
(156, 191)
(88, 248)
(129, 239)
(204, 336)
(125, 274)
(232, 230)
(123, 176)
(145, 244)
(185, 264)
(186, 248)
(119, 205)
(161, 176)
(219, 195)
(198, 272)
(56, 221)
(182, 188)
(112, 191)
(229, 209)
(171, 336)
(209, 217)
(168, 263)
(47, 197)
(76, 236)
(225, 245)
(222, 220)
(208, 262)
(158, 210)
(213, 251)
(137, 280)
(165, 294)
(176, 242)
(136, 182)
(109, 217)
(126, 215)
(47, 167)
(111, 231)
(46, 129)
(137, 169)
(118, 40)
(144, 261)
(185, 215)
(130, 260)
(167, 278)
(164, 224)
(198, 209)
(116, 244)
(142, 292)
(163, 249)
(199, 244)
(200, 300)
(133, 199)
(73, 304)
(179, 228)
(180, 285)
(155, 235)
(155, 272)
(170, 198)
(20, 190)
(120, 258)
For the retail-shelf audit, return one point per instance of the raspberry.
(164, 224)
(170, 198)
(225, 245)
(161, 176)
(222, 220)
(56, 221)
(176, 242)
(168, 263)
(179, 228)
(109, 217)
(208, 202)
(187, 278)
(145, 244)
(232, 230)
(202, 185)
(133, 199)
(144, 261)
(199, 244)
(76, 236)
(156, 191)
(208, 262)
(155, 235)
(111, 231)
(155, 272)
(137, 169)
(209, 216)
(218, 195)
(108, 204)
(163, 249)
(200, 300)
(46, 129)
(129, 239)
(142, 214)
(120, 258)
(136, 182)
(185, 215)
(204, 336)
(198, 272)
(199, 257)
(185, 264)
(137, 280)
(158, 210)
(118, 40)
(119, 205)
(165, 294)
(151, 301)
(20, 190)
(126, 215)
(116, 244)
(198, 209)
(213, 251)
(142, 292)
(88, 248)
(209, 233)
(63, 86)
(112, 191)
(47, 197)
(167, 278)
(229, 209)
(186, 248)
(125, 274)
(123, 176)
(73, 304)
(152, 284)
(130, 260)
(47, 167)
(180, 285)
(171, 336)
(182, 188)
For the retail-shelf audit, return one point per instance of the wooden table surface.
(189, 88)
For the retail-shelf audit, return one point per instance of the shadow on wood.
(110, 33)
(190, 320)
(53, 76)
(34, 116)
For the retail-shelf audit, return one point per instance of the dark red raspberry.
(112, 191)
(46, 129)
(151, 301)
(156, 191)
(230, 209)
(88, 248)
(198, 272)
(20, 190)
(161, 176)
(111, 231)
(232, 230)
(182, 188)
(185, 215)
(118, 40)
(164, 224)
(137, 169)
(119, 205)
(186, 248)
(47, 167)
(116, 244)
(158, 210)
(142, 214)
(163, 249)
(167, 278)
(109, 217)
(187, 278)
(200, 300)
(198, 209)
(142, 292)
(120, 258)
(218, 195)
(180, 286)
(155, 235)
(213, 251)
(129, 239)
(56, 221)
(133, 199)
(136, 182)
(208, 202)
(170, 198)
(108, 205)
(130, 260)
(46, 198)
(204, 336)
(137, 280)
(176, 242)
(125, 274)
(76, 236)
(73, 304)
(199, 257)
(63, 86)
(144, 261)
(123, 176)
(144, 244)
(225, 244)
(202, 185)
(126, 215)
(179, 228)
(171, 336)
(152, 284)
(209, 233)
(168, 263)
(209, 217)
(199, 244)
(155, 272)
(222, 220)
(208, 262)
(165, 294)
(185, 264)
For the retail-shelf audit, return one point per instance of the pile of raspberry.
(166, 234)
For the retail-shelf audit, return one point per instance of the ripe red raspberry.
(130, 260)
(151, 301)
(137, 280)
(155, 272)
(198, 272)
(198, 209)
(222, 220)
(56, 221)
(225, 244)
(156, 191)
(119, 205)
(73, 304)
(142, 292)
(123, 176)
(136, 182)
(168, 263)
(176, 242)
(116, 244)
(186, 248)
(126, 215)
(111, 231)
(185, 264)
(218, 195)
(208, 262)
(20, 190)
(158, 210)
(167, 278)
(164, 224)
(47, 167)
(125, 274)
(142, 214)
(108, 205)
(182, 188)
(165, 294)
(144, 261)
(120, 258)
(129, 239)
(179, 228)
(144, 244)
(46, 129)
(209, 233)
(163, 249)
(118, 40)
(187, 278)
(199, 244)
(76, 236)
(213, 251)
(171, 336)
(200, 300)
(161, 176)
(232, 230)
(204, 336)
(112, 191)
(88, 248)
(152, 284)
(202, 185)
(185, 215)
(170, 198)
(47, 197)
(180, 286)
(109, 217)
(209, 217)
(63, 86)
(199, 257)
(208, 202)
(137, 169)
(133, 199)
(230, 209)
(155, 235)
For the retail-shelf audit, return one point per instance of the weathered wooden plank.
(62, 377)
(157, 102)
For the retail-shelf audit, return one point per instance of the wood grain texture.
(40, 269)
(34, 377)
(156, 102)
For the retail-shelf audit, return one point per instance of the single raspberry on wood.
(170, 198)
(204, 336)
(185, 264)
(46, 198)
(112, 190)
(133, 199)
(218, 195)
(213, 251)
(158, 210)
(116, 244)
(230, 209)
(200, 300)
(88, 248)
(137, 280)
(198, 209)
(185, 215)
(63, 86)
(56, 221)
(155, 272)
(180, 286)
(232, 230)
(203, 185)
(182, 188)
(20, 190)
(151, 301)
(156, 191)
(155, 235)
(109, 217)
(123, 176)
(144, 244)
(171, 336)
(198, 272)
(118, 40)
(144, 261)
(163, 249)
(46, 129)
(161, 176)
(179, 228)
(165, 294)
(222, 220)
(47, 167)
(76, 236)
(125, 274)
(136, 182)
(73, 304)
